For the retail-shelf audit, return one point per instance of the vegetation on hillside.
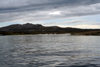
(23, 29)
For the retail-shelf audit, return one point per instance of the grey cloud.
(26, 4)
(30, 10)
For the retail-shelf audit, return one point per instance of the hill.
(28, 28)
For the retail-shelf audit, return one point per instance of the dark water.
(50, 50)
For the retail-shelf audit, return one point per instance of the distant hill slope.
(28, 28)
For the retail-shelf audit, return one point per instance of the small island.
(28, 28)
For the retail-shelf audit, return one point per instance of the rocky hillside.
(28, 28)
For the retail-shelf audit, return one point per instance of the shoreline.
(32, 29)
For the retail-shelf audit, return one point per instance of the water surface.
(49, 50)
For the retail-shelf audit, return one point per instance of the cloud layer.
(37, 10)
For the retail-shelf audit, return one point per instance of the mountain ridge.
(28, 28)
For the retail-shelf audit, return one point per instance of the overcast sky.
(74, 13)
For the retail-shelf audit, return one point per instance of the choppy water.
(53, 50)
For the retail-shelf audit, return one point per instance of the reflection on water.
(53, 50)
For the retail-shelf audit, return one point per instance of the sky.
(64, 13)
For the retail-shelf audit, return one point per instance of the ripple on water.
(49, 51)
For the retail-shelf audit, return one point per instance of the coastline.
(32, 29)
